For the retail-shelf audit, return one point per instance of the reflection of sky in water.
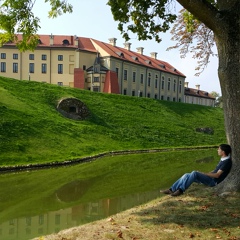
(54, 221)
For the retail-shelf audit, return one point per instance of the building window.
(141, 78)
(60, 69)
(28, 221)
(15, 67)
(44, 68)
(134, 76)
(84, 67)
(168, 98)
(31, 67)
(41, 219)
(96, 89)
(155, 96)
(133, 93)
(96, 79)
(3, 67)
(57, 219)
(3, 55)
(125, 91)
(169, 83)
(11, 222)
(149, 79)
(31, 56)
(96, 69)
(162, 82)
(174, 99)
(174, 85)
(60, 83)
(162, 97)
(148, 95)
(15, 56)
(156, 81)
(44, 57)
(180, 86)
(117, 70)
(179, 100)
(60, 57)
(140, 94)
(125, 75)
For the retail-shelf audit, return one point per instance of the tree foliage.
(218, 101)
(16, 17)
(192, 36)
(146, 18)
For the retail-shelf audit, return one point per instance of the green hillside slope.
(33, 131)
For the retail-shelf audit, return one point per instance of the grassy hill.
(33, 131)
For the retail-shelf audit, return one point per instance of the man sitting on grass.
(210, 179)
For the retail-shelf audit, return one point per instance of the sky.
(93, 19)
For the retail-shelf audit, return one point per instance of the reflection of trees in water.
(74, 190)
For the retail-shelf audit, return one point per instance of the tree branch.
(205, 12)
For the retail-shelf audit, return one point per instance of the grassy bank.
(32, 130)
(197, 214)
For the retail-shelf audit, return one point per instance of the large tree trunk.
(228, 45)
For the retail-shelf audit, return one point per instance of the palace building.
(197, 96)
(93, 65)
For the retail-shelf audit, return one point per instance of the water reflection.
(54, 221)
(73, 191)
(38, 203)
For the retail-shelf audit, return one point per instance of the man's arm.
(214, 175)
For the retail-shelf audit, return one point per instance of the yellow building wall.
(70, 59)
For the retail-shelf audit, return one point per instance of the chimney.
(51, 39)
(140, 50)
(197, 87)
(186, 84)
(127, 46)
(75, 40)
(153, 55)
(112, 41)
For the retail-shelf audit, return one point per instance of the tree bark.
(224, 21)
(228, 45)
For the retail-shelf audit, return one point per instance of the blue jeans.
(187, 179)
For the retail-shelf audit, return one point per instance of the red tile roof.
(86, 44)
(137, 58)
(198, 93)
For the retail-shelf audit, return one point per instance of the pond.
(41, 202)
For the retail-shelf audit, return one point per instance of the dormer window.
(66, 42)
(162, 65)
(148, 62)
(120, 54)
(135, 58)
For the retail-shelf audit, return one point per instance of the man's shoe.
(167, 191)
(177, 193)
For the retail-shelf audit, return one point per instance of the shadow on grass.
(200, 209)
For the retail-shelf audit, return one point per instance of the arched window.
(65, 42)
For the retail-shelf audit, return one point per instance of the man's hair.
(226, 148)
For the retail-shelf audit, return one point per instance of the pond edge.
(16, 168)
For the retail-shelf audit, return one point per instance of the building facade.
(94, 65)
(197, 96)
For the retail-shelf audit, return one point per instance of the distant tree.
(16, 17)
(218, 101)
